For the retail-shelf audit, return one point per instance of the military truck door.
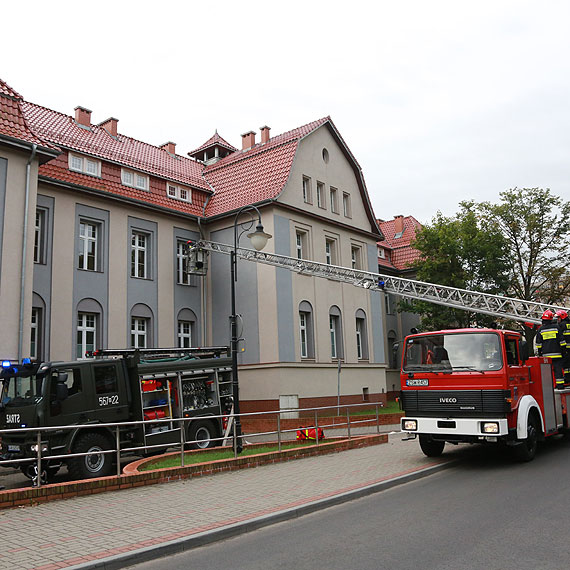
(73, 409)
(111, 397)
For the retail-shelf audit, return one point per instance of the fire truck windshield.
(21, 391)
(453, 351)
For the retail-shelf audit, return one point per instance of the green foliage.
(519, 247)
(464, 251)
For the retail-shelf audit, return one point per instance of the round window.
(326, 155)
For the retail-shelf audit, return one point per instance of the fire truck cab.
(478, 386)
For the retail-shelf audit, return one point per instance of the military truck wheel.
(202, 432)
(526, 450)
(430, 447)
(95, 464)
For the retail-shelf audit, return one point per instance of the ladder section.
(485, 303)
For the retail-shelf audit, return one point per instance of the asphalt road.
(487, 513)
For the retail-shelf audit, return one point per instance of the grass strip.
(198, 457)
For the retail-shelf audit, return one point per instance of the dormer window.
(85, 165)
(134, 179)
(178, 192)
(381, 253)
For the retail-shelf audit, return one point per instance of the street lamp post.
(258, 240)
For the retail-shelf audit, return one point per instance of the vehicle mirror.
(62, 377)
(523, 349)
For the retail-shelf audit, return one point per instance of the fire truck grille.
(456, 403)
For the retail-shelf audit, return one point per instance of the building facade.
(93, 227)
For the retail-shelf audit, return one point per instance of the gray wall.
(377, 353)
(143, 291)
(3, 175)
(286, 312)
(246, 299)
(43, 273)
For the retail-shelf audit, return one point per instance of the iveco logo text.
(448, 400)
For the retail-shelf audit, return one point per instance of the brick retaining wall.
(132, 478)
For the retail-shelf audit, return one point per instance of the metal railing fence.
(119, 450)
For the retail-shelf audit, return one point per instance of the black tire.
(526, 450)
(203, 432)
(430, 447)
(95, 464)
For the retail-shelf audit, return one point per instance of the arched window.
(37, 328)
(89, 326)
(361, 335)
(306, 334)
(141, 330)
(186, 328)
(335, 330)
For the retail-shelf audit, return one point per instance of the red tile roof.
(402, 254)
(12, 120)
(256, 174)
(62, 130)
(245, 177)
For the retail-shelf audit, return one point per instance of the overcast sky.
(440, 101)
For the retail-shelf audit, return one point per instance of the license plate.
(417, 382)
(13, 448)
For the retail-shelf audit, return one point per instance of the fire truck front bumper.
(482, 429)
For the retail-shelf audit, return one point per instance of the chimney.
(169, 147)
(264, 134)
(83, 116)
(110, 125)
(247, 140)
(398, 224)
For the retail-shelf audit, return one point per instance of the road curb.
(177, 546)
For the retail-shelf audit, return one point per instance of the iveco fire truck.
(475, 386)
(153, 386)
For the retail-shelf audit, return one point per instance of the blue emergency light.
(6, 364)
(26, 361)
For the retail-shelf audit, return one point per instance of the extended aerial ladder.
(474, 301)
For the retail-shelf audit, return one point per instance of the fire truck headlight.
(490, 427)
(34, 447)
(410, 425)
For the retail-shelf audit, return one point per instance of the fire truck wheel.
(526, 450)
(202, 432)
(430, 447)
(95, 464)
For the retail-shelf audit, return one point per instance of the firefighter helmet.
(561, 314)
(548, 315)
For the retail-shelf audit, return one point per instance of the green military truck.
(156, 386)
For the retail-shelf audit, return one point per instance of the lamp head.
(259, 238)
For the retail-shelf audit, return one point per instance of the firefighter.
(564, 328)
(551, 343)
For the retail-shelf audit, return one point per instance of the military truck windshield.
(18, 391)
(453, 351)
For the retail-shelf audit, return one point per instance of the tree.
(536, 226)
(465, 251)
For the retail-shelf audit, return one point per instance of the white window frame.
(347, 211)
(176, 192)
(334, 199)
(140, 255)
(307, 198)
(86, 327)
(356, 257)
(303, 334)
(35, 332)
(301, 244)
(139, 332)
(331, 251)
(83, 163)
(86, 239)
(183, 277)
(333, 328)
(381, 253)
(184, 334)
(39, 235)
(134, 179)
(321, 202)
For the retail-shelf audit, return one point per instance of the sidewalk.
(115, 529)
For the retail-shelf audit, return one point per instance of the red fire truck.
(478, 386)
